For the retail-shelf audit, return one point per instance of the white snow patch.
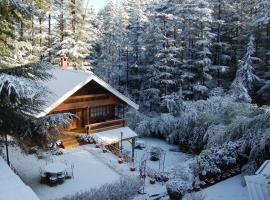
(11, 186)
(114, 135)
(89, 172)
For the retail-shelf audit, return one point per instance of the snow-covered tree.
(244, 81)
(74, 37)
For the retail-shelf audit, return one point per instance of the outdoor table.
(55, 173)
(55, 168)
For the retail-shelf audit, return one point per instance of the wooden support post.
(88, 116)
(133, 148)
(121, 147)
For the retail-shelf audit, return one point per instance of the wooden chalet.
(100, 108)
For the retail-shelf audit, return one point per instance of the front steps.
(69, 140)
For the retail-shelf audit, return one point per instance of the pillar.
(133, 149)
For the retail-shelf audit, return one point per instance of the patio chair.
(61, 177)
(52, 181)
(68, 175)
(43, 176)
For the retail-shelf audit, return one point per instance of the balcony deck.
(69, 137)
(104, 126)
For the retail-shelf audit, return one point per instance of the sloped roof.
(114, 135)
(66, 82)
(12, 187)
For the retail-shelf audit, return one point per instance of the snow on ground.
(172, 158)
(94, 168)
(12, 187)
(89, 172)
(230, 189)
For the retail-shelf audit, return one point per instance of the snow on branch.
(49, 122)
(18, 87)
(37, 71)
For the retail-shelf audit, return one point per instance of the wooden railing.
(107, 125)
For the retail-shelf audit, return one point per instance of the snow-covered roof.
(114, 135)
(258, 185)
(66, 82)
(264, 169)
(12, 187)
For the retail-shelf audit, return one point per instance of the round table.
(55, 168)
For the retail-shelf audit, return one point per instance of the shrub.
(155, 153)
(124, 189)
(85, 138)
(177, 188)
(219, 160)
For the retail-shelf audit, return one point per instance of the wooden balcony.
(104, 126)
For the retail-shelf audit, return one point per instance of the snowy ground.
(94, 168)
(172, 158)
(89, 172)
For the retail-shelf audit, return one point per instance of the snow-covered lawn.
(172, 158)
(94, 168)
(89, 172)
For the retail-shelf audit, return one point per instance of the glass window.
(101, 111)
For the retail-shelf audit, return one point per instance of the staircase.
(69, 140)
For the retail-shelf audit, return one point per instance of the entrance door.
(82, 121)
(79, 113)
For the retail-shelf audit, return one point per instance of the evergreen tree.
(74, 37)
(243, 84)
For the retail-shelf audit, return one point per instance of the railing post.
(133, 147)
(121, 148)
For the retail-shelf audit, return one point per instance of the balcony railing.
(107, 125)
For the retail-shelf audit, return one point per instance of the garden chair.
(53, 180)
(61, 177)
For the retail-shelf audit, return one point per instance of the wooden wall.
(90, 96)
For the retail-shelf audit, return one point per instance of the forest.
(199, 69)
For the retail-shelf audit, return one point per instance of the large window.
(101, 111)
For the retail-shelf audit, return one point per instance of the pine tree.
(74, 37)
(21, 93)
(243, 84)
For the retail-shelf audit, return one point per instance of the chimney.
(63, 62)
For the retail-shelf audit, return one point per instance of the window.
(101, 111)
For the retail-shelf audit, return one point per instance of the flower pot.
(196, 188)
(120, 161)
(132, 169)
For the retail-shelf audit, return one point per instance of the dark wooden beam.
(86, 104)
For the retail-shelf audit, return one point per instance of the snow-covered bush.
(215, 135)
(56, 151)
(124, 189)
(162, 125)
(155, 153)
(85, 138)
(177, 188)
(216, 161)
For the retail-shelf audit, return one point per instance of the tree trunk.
(50, 37)
(7, 152)
(127, 71)
(40, 39)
